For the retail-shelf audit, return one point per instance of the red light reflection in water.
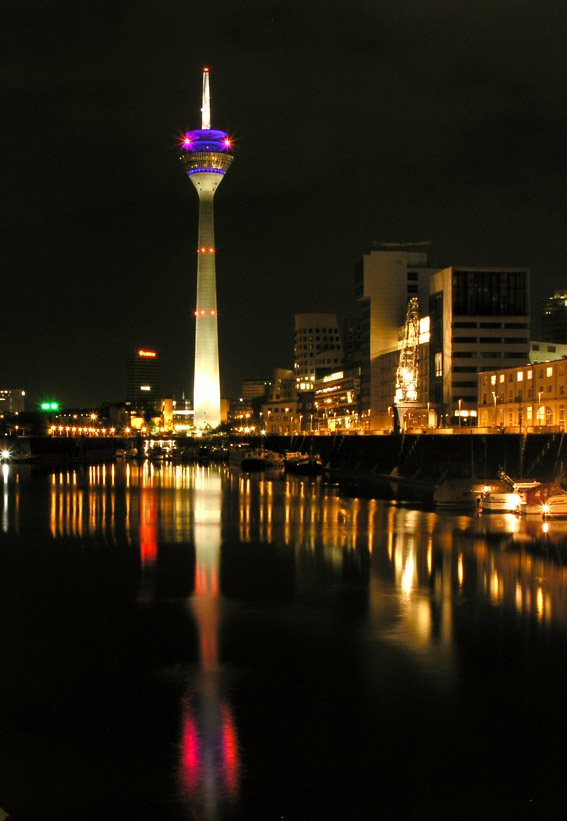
(148, 526)
(209, 755)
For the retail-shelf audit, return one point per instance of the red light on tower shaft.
(147, 354)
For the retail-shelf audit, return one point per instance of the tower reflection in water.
(156, 507)
(209, 759)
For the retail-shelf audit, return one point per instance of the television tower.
(206, 157)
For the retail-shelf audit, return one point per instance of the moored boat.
(546, 499)
(510, 500)
(312, 465)
(238, 451)
(247, 457)
(255, 459)
(273, 460)
(293, 458)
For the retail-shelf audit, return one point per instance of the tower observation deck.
(206, 157)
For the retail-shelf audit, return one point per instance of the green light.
(50, 406)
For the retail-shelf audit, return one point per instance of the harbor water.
(196, 642)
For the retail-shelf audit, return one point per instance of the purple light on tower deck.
(207, 140)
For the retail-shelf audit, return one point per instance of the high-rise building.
(385, 279)
(479, 322)
(144, 380)
(318, 348)
(206, 157)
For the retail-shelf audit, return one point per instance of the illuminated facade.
(336, 402)
(527, 397)
(206, 159)
(385, 279)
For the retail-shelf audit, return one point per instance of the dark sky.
(397, 120)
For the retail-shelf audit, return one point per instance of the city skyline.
(408, 122)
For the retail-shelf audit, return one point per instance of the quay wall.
(70, 448)
(422, 456)
(430, 457)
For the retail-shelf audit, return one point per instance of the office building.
(317, 347)
(144, 380)
(206, 158)
(336, 402)
(479, 321)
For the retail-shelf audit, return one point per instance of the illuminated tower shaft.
(206, 159)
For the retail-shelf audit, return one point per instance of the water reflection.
(514, 562)
(229, 552)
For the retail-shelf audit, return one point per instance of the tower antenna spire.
(206, 108)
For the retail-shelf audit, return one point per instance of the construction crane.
(407, 375)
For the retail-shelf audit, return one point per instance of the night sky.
(395, 120)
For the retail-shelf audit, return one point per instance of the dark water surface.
(197, 643)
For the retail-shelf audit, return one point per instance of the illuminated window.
(549, 371)
(501, 378)
(530, 374)
(439, 364)
(520, 376)
(493, 379)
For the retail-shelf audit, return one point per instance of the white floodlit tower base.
(206, 385)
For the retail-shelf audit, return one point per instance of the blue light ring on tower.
(210, 161)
